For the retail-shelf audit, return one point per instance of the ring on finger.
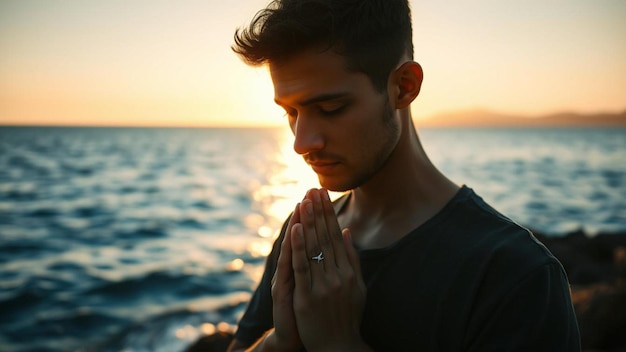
(318, 257)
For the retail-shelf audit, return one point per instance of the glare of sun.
(287, 186)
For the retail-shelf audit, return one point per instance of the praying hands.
(317, 290)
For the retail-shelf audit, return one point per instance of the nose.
(308, 136)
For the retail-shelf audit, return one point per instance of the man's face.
(343, 127)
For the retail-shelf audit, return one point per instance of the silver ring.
(318, 257)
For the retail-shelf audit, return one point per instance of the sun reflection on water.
(287, 186)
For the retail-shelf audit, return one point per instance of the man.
(421, 263)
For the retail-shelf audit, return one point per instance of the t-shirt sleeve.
(258, 317)
(536, 315)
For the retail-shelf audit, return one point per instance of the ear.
(407, 83)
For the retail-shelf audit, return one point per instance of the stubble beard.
(392, 136)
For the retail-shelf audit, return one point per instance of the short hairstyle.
(373, 35)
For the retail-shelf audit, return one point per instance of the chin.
(337, 185)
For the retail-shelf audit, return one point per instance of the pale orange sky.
(114, 62)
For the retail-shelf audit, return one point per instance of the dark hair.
(372, 34)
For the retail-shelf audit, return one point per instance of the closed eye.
(332, 110)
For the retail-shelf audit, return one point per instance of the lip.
(323, 167)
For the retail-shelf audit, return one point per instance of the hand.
(285, 332)
(329, 295)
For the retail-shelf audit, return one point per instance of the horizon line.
(454, 119)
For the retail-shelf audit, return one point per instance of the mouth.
(323, 167)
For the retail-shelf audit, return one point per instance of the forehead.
(312, 73)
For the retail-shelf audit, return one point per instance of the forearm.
(360, 347)
(267, 343)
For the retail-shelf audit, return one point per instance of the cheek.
(363, 134)
(362, 129)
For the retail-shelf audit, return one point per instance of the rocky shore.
(596, 268)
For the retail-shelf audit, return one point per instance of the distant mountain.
(486, 118)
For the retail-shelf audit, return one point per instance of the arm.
(266, 343)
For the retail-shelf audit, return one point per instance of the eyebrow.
(319, 98)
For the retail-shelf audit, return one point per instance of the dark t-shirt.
(469, 279)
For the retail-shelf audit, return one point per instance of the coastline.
(484, 118)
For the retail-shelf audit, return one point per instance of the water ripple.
(116, 239)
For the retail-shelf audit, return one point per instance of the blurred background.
(166, 63)
(145, 171)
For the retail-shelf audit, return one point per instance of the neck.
(406, 192)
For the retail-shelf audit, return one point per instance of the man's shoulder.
(479, 231)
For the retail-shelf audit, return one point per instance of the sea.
(144, 239)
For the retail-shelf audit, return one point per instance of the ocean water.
(131, 239)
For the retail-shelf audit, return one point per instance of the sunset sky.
(169, 63)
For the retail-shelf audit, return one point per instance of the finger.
(283, 273)
(315, 254)
(334, 231)
(294, 219)
(300, 261)
(321, 230)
